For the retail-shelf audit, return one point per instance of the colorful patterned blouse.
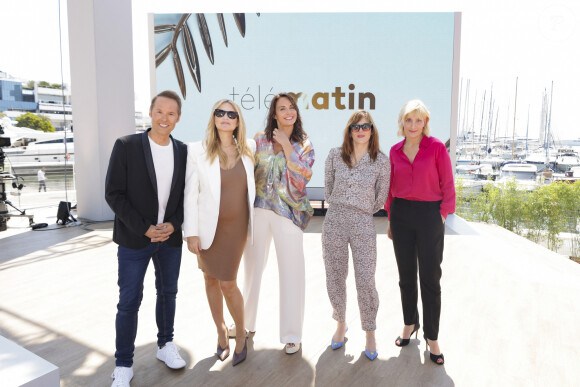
(281, 185)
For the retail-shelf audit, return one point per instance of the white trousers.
(288, 240)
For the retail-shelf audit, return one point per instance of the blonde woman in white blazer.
(218, 215)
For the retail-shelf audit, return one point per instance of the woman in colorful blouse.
(356, 182)
(421, 196)
(284, 158)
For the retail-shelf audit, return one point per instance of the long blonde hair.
(212, 138)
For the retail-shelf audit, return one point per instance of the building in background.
(54, 103)
(13, 98)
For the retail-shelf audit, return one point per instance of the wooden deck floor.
(508, 318)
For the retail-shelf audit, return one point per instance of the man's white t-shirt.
(163, 162)
(41, 175)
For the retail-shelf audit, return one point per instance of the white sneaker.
(170, 355)
(293, 349)
(232, 331)
(122, 376)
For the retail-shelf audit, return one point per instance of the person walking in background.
(144, 188)
(284, 158)
(356, 183)
(421, 196)
(218, 208)
(41, 179)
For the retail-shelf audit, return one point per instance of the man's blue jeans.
(132, 267)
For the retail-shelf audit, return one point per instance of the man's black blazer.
(131, 191)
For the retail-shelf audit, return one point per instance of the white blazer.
(201, 203)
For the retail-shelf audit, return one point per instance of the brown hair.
(347, 149)
(298, 134)
(167, 94)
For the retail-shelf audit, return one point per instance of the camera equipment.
(4, 142)
(5, 176)
(63, 214)
(4, 203)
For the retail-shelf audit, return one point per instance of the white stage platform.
(20, 367)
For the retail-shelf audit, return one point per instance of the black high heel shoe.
(240, 357)
(404, 342)
(434, 358)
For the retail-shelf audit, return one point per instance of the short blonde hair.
(418, 107)
(212, 139)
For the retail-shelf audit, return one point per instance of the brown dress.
(223, 257)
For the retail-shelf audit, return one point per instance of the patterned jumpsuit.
(354, 195)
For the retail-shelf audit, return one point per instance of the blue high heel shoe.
(337, 344)
(372, 355)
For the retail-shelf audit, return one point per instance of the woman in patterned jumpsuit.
(356, 186)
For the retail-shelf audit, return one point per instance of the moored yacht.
(566, 160)
(33, 149)
(51, 154)
(525, 175)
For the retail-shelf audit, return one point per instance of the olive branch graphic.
(181, 29)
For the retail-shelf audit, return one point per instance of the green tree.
(43, 84)
(33, 121)
(56, 86)
(539, 215)
(481, 206)
(507, 205)
(462, 199)
(29, 85)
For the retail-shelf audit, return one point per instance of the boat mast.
(515, 109)
(459, 104)
(495, 128)
(527, 130)
(481, 123)
(490, 119)
(548, 123)
(473, 125)
(507, 124)
(466, 107)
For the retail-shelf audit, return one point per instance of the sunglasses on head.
(364, 127)
(221, 113)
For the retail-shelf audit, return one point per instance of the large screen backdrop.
(335, 63)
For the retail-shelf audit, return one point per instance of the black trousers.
(418, 233)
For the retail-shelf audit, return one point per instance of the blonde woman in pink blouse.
(421, 195)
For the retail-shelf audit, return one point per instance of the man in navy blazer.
(144, 188)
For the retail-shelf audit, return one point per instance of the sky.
(535, 41)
